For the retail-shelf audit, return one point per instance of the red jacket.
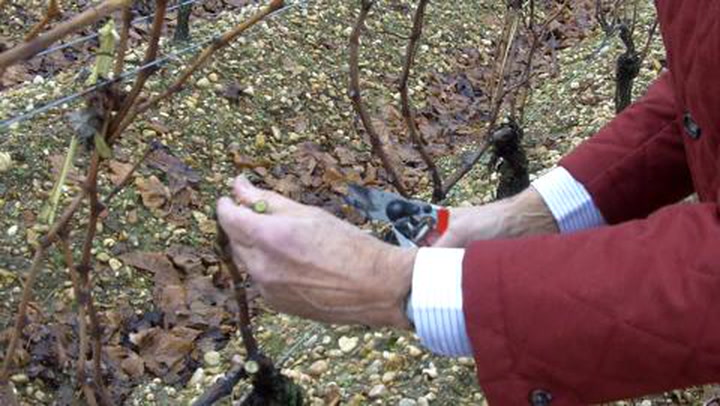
(632, 308)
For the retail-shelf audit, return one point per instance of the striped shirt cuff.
(436, 302)
(569, 201)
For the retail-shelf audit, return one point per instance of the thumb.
(247, 194)
(239, 222)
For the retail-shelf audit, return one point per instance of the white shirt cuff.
(569, 201)
(436, 303)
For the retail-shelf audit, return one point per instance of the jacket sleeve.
(609, 313)
(636, 163)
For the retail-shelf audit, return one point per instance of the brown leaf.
(180, 175)
(172, 300)
(154, 193)
(118, 171)
(130, 362)
(164, 351)
(345, 156)
(182, 204)
(156, 262)
(243, 161)
(190, 259)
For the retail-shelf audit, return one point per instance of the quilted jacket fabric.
(631, 308)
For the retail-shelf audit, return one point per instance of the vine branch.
(357, 100)
(407, 110)
(87, 17)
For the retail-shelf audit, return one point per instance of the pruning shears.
(413, 222)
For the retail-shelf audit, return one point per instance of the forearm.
(527, 214)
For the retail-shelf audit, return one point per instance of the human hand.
(308, 262)
(522, 215)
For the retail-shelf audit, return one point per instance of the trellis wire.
(80, 40)
(172, 56)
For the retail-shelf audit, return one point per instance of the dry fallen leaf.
(154, 194)
(118, 171)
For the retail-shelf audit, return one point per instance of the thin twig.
(648, 43)
(84, 268)
(223, 250)
(204, 56)
(357, 100)
(78, 22)
(150, 56)
(407, 110)
(80, 298)
(124, 40)
(223, 387)
(52, 12)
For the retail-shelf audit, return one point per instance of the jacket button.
(540, 397)
(691, 127)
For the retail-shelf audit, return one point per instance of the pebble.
(20, 378)
(347, 344)
(393, 361)
(414, 351)
(115, 264)
(407, 402)
(374, 368)
(422, 402)
(12, 230)
(212, 358)
(646, 402)
(213, 77)
(40, 395)
(466, 361)
(431, 371)
(103, 257)
(260, 140)
(388, 377)
(38, 80)
(377, 391)
(149, 132)
(203, 83)
(197, 377)
(318, 368)
(6, 162)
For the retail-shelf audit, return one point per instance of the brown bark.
(150, 56)
(407, 110)
(124, 38)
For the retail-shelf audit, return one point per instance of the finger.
(247, 194)
(239, 222)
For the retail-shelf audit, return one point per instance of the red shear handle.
(443, 222)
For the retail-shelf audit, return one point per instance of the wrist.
(528, 214)
(399, 263)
